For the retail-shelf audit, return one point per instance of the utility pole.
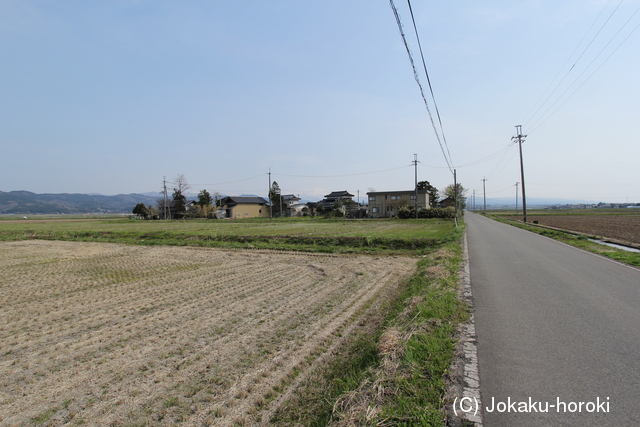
(517, 198)
(484, 194)
(269, 197)
(455, 196)
(520, 138)
(474, 199)
(166, 199)
(415, 166)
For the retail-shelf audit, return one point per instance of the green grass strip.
(425, 311)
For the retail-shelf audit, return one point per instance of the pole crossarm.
(520, 138)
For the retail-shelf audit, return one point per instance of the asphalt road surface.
(556, 326)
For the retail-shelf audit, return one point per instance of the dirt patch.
(625, 228)
(115, 335)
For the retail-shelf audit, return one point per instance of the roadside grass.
(578, 240)
(312, 235)
(394, 370)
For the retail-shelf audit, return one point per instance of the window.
(396, 197)
(372, 198)
(375, 210)
(413, 197)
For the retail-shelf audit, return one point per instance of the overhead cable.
(424, 65)
(417, 79)
(338, 176)
(527, 118)
(540, 119)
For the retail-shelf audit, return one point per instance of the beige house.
(244, 207)
(385, 204)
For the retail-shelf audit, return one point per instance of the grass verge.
(393, 370)
(346, 236)
(578, 240)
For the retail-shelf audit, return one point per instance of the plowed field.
(625, 228)
(114, 335)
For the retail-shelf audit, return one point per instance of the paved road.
(554, 324)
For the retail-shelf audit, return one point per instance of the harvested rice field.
(113, 335)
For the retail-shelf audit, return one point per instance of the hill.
(26, 202)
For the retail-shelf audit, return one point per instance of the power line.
(590, 75)
(502, 152)
(541, 119)
(569, 58)
(424, 65)
(338, 176)
(417, 79)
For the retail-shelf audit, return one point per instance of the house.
(385, 204)
(446, 202)
(330, 200)
(244, 207)
(290, 199)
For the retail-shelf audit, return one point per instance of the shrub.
(409, 212)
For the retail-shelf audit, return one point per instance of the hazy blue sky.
(108, 97)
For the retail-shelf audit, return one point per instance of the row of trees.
(176, 207)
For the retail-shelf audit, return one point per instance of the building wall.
(385, 204)
(247, 210)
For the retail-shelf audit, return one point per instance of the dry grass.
(111, 335)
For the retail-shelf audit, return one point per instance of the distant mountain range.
(26, 202)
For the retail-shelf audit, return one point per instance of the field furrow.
(108, 334)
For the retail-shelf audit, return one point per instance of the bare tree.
(181, 184)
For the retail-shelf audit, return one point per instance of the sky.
(114, 97)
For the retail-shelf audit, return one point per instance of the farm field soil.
(115, 335)
(625, 228)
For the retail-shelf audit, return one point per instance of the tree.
(141, 210)
(396, 205)
(276, 200)
(153, 212)
(146, 212)
(179, 197)
(450, 191)
(179, 204)
(431, 191)
(181, 184)
(205, 203)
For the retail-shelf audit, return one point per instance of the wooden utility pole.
(415, 166)
(484, 195)
(269, 197)
(165, 208)
(520, 137)
(455, 196)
